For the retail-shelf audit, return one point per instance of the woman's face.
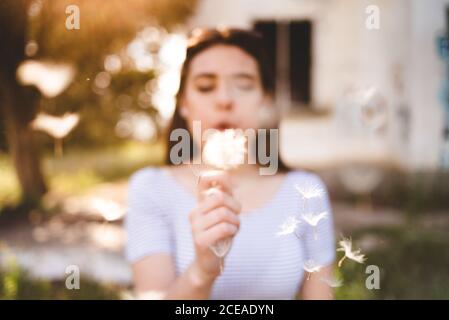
(223, 89)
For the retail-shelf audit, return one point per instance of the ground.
(82, 225)
(82, 236)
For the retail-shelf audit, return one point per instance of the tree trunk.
(18, 104)
(20, 140)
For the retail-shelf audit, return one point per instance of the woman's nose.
(224, 98)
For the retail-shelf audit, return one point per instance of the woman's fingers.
(215, 233)
(216, 216)
(214, 179)
(214, 198)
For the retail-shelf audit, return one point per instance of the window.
(289, 46)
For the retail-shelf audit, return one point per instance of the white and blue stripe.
(260, 264)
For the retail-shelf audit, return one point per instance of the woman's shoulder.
(305, 177)
(145, 173)
(147, 177)
(150, 185)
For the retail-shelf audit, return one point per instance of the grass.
(414, 265)
(80, 169)
(9, 187)
(16, 284)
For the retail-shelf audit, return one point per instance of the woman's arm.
(315, 288)
(154, 278)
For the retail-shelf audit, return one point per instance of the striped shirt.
(266, 260)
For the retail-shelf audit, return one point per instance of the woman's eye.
(205, 85)
(245, 85)
(205, 88)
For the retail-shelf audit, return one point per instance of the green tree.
(106, 26)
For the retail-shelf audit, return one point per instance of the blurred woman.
(173, 221)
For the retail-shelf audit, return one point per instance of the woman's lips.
(223, 126)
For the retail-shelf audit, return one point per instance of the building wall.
(425, 74)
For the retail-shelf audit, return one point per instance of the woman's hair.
(201, 39)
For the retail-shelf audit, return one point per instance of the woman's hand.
(214, 218)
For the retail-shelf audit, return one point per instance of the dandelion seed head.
(225, 149)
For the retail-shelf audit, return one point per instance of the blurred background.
(363, 93)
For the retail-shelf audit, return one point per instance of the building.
(324, 48)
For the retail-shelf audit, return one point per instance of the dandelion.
(346, 246)
(57, 127)
(224, 150)
(311, 266)
(332, 281)
(289, 226)
(313, 220)
(221, 248)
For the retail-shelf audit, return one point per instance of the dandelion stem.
(221, 265)
(341, 261)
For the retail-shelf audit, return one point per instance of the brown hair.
(201, 39)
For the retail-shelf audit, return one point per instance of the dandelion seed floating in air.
(310, 191)
(313, 219)
(311, 266)
(346, 247)
(288, 227)
(332, 282)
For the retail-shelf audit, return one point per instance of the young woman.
(172, 223)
